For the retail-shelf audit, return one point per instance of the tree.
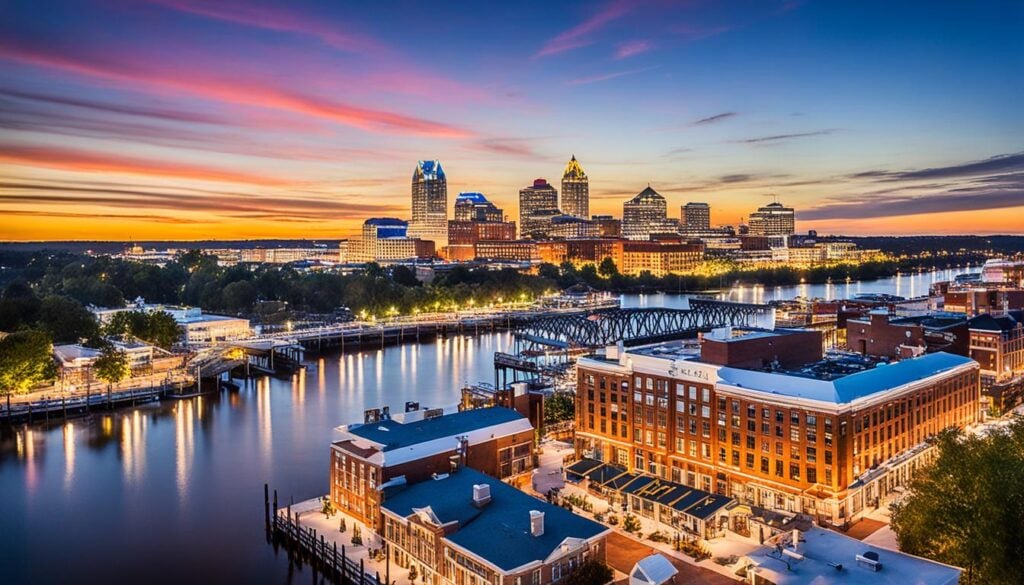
(162, 330)
(66, 319)
(111, 366)
(559, 407)
(607, 268)
(26, 359)
(967, 508)
(404, 276)
(590, 572)
(239, 296)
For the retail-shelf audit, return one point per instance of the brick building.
(828, 438)
(879, 333)
(411, 447)
(996, 342)
(978, 300)
(469, 528)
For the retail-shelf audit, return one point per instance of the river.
(173, 492)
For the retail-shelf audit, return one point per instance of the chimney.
(481, 495)
(536, 523)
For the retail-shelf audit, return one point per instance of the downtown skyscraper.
(575, 190)
(429, 203)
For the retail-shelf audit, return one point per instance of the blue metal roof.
(881, 378)
(430, 169)
(471, 196)
(385, 221)
(393, 434)
(499, 531)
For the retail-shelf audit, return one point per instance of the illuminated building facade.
(429, 203)
(575, 190)
(536, 202)
(773, 219)
(695, 218)
(646, 214)
(412, 446)
(736, 414)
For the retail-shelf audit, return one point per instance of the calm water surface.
(173, 492)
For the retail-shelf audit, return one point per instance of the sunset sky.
(193, 119)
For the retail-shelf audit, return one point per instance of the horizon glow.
(186, 120)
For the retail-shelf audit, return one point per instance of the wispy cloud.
(714, 119)
(194, 80)
(166, 114)
(607, 76)
(783, 137)
(692, 32)
(97, 162)
(579, 35)
(897, 205)
(227, 204)
(632, 48)
(507, 146)
(275, 19)
(996, 164)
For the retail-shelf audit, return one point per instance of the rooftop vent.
(536, 523)
(481, 495)
(870, 560)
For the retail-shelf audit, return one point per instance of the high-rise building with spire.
(575, 190)
(429, 203)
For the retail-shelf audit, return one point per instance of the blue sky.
(188, 119)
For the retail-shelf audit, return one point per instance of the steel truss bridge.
(635, 326)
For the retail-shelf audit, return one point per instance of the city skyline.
(183, 120)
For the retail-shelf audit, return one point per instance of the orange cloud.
(93, 162)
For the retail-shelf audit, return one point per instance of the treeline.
(719, 275)
(76, 281)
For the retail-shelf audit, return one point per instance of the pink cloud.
(576, 36)
(607, 76)
(275, 19)
(632, 48)
(91, 161)
(157, 77)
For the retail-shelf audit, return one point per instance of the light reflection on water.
(172, 492)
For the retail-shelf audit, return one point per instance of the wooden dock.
(305, 546)
(66, 407)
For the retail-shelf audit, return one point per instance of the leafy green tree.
(549, 271)
(559, 407)
(162, 330)
(111, 366)
(607, 268)
(66, 320)
(404, 276)
(590, 572)
(239, 296)
(967, 508)
(26, 359)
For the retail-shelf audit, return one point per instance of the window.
(764, 465)
(794, 434)
(794, 472)
(705, 411)
(750, 460)
(812, 455)
(794, 418)
(705, 395)
(693, 393)
(535, 579)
